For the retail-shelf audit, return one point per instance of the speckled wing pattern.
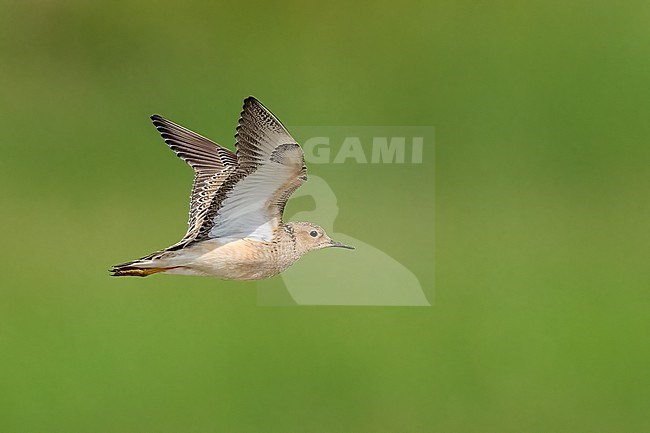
(270, 167)
(212, 165)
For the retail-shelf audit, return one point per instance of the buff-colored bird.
(235, 224)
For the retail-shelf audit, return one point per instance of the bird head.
(311, 237)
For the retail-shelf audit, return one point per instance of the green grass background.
(540, 322)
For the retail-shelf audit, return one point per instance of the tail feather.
(145, 266)
(134, 271)
(139, 268)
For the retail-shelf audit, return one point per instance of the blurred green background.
(540, 321)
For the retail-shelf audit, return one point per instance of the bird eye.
(313, 233)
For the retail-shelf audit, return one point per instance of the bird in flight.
(235, 228)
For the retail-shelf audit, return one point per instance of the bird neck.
(290, 237)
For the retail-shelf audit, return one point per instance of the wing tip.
(159, 121)
(251, 102)
(250, 99)
(165, 127)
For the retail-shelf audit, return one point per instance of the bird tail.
(134, 271)
(138, 268)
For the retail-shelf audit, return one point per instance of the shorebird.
(235, 228)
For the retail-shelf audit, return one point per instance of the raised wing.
(271, 167)
(212, 164)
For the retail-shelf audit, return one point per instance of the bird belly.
(242, 259)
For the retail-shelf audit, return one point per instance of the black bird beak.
(340, 245)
